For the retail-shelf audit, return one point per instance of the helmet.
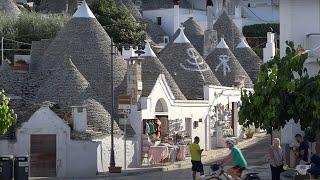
(214, 167)
(230, 141)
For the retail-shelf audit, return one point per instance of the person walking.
(276, 159)
(195, 152)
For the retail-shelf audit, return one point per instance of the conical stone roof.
(85, 41)
(66, 85)
(226, 67)
(13, 82)
(99, 122)
(9, 7)
(187, 67)
(226, 28)
(151, 69)
(194, 32)
(132, 8)
(248, 59)
(154, 31)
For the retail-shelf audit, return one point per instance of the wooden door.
(43, 156)
(164, 128)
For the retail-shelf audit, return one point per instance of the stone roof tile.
(227, 68)
(188, 69)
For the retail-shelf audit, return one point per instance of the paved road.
(255, 155)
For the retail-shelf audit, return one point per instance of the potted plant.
(249, 131)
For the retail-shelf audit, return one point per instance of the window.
(80, 109)
(166, 39)
(159, 21)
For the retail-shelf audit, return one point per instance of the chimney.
(79, 118)
(270, 50)
(209, 14)
(210, 35)
(176, 20)
(134, 78)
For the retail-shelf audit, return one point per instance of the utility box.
(21, 168)
(6, 167)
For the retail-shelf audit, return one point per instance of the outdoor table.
(158, 153)
(172, 153)
(181, 152)
(302, 169)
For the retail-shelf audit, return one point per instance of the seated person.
(315, 165)
(303, 150)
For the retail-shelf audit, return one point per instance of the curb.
(131, 172)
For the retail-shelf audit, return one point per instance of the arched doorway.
(161, 107)
(161, 112)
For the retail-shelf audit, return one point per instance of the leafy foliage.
(28, 27)
(260, 30)
(31, 26)
(284, 91)
(7, 115)
(118, 23)
(259, 52)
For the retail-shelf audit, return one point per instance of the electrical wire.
(19, 42)
(256, 14)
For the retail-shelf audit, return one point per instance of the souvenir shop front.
(224, 123)
(163, 141)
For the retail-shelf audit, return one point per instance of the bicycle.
(219, 174)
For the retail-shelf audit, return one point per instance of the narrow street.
(255, 155)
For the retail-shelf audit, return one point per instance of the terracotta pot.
(249, 135)
(23, 67)
(115, 169)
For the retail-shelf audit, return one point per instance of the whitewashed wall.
(178, 109)
(264, 14)
(267, 14)
(297, 19)
(167, 17)
(103, 152)
(82, 159)
(74, 158)
(45, 121)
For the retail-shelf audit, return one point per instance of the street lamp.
(112, 167)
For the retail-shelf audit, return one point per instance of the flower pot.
(249, 135)
(22, 67)
(115, 169)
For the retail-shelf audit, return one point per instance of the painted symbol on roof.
(224, 59)
(194, 63)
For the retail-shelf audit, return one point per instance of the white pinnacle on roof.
(182, 37)
(222, 44)
(84, 11)
(243, 43)
(148, 51)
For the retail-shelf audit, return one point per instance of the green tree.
(7, 115)
(28, 27)
(118, 23)
(284, 91)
